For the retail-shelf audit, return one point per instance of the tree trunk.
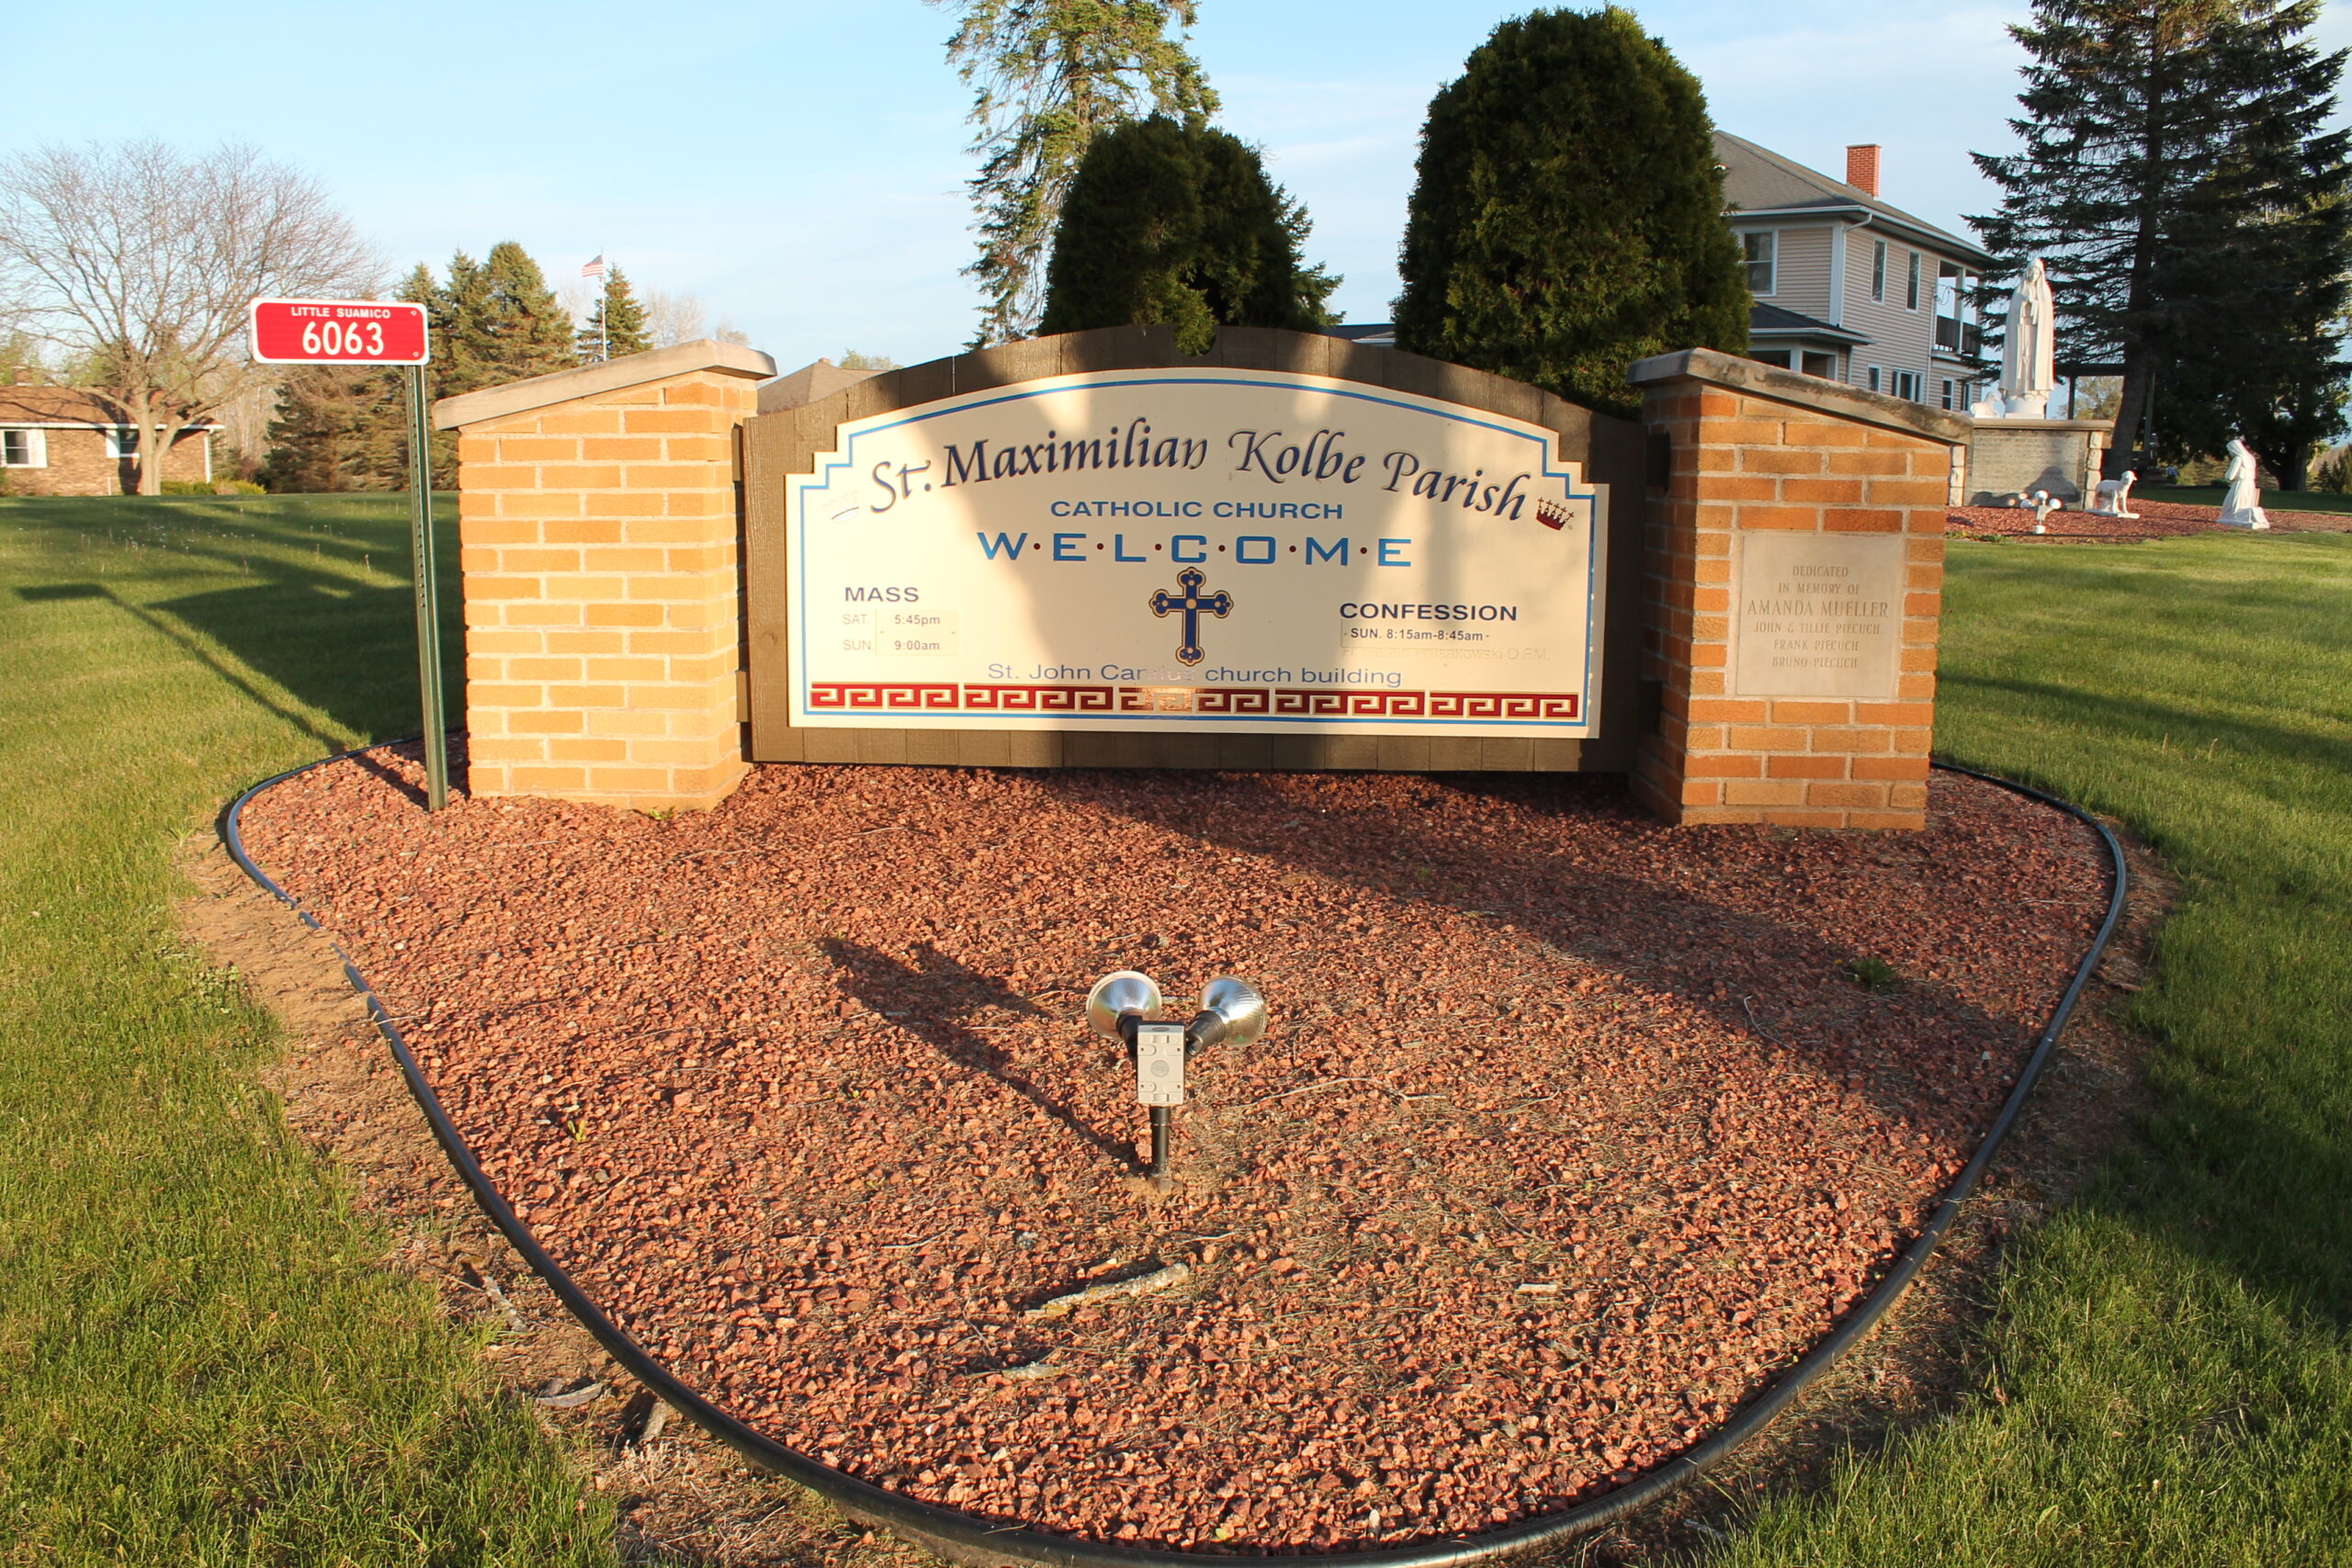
(151, 461)
(2295, 467)
(167, 431)
(2137, 392)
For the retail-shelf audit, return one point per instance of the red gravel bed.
(1569, 1134)
(2157, 520)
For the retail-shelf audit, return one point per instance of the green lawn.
(2171, 1355)
(201, 1363)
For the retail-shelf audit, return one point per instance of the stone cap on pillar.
(1711, 367)
(630, 370)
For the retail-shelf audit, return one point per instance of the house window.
(23, 449)
(1878, 269)
(122, 441)
(1776, 357)
(1906, 386)
(1822, 365)
(1911, 286)
(1874, 375)
(1948, 393)
(1760, 249)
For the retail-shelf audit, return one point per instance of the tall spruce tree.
(1567, 217)
(1051, 76)
(2264, 248)
(329, 433)
(347, 430)
(492, 321)
(2174, 174)
(526, 332)
(1178, 223)
(616, 327)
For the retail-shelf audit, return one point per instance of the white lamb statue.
(2114, 497)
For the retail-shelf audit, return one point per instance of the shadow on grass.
(2118, 716)
(194, 648)
(303, 613)
(303, 631)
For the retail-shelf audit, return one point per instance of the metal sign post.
(369, 333)
(428, 594)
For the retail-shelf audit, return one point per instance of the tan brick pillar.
(1792, 595)
(598, 526)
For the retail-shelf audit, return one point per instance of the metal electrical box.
(1160, 1064)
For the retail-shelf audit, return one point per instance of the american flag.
(595, 268)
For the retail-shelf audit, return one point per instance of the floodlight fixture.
(1121, 995)
(1124, 1006)
(1232, 1013)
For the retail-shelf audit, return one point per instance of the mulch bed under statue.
(2157, 520)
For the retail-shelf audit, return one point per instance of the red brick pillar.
(1793, 594)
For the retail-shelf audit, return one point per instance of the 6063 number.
(331, 338)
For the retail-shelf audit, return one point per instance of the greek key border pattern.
(1200, 702)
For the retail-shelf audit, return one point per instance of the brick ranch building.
(64, 441)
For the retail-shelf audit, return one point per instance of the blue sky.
(800, 166)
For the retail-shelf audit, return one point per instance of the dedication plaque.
(1243, 551)
(1818, 615)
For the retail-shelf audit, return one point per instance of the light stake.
(1124, 1006)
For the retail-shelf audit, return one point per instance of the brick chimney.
(1861, 167)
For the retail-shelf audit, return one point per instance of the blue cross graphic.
(1191, 604)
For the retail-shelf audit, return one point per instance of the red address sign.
(338, 332)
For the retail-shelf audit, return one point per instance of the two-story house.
(1847, 286)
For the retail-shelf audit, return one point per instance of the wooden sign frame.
(778, 446)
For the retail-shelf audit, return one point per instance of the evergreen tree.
(1052, 74)
(525, 330)
(18, 352)
(1178, 223)
(2261, 360)
(2174, 174)
(1567, 217)
(616, 327)
(492, 321)
(331, 432)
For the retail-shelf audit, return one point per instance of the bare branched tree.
(674, 319)
(140, 263)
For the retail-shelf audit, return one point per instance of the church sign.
(1192, 549)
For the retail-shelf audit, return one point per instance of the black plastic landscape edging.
(971, 1539)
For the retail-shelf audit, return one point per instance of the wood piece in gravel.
(809, 1107)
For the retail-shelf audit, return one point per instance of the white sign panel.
(1196, 549)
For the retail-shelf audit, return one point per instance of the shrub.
(1567, 216)
(1178, 223)
(1875, 975)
